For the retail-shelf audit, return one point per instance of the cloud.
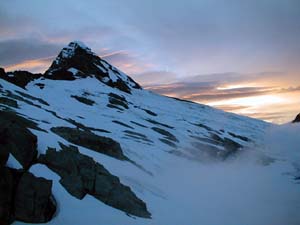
(188, 37)
(34, 66)
(125, 61)
(212, 87)
(19, 50)
(154, 78)
(206, 92)
(163, 44)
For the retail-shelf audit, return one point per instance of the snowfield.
(183, 168)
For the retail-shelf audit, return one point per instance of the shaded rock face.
(34, 202)
(77, 60)
(8, 180)
(8, 102)
(92, 141)
(83, 100)
(297, 119)
(13, 117)
(16, 139)
(81, 175)
(24, 197)
(116, 101)
(19, 78)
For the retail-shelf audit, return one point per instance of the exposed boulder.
(91, 141)
(17, 139)
(34, 202)
(81, 175)
(297, 119)
(24, 197)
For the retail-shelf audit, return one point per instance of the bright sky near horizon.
(240, 56)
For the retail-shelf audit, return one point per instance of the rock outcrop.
(24, 197)
(19, 78)
(34, 202)
(16, 139)
(91, 141)
(297, 119)
(81, 175)
(77, 60)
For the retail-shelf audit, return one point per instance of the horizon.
(241, 58)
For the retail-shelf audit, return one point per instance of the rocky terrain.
(85, 138)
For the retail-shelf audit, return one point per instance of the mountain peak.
(76, 52)
(70, 50)
(297, 119)
(76, 60)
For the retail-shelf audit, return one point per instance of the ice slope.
(179, 183)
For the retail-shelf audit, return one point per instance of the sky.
(241, 56)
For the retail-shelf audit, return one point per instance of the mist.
(238, 191)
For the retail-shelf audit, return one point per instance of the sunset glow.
(237, 86)
(248, 65)
(257, 101)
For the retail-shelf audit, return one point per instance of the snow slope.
(178, 171)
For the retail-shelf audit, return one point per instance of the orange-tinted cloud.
(278, 104)
(35, 65)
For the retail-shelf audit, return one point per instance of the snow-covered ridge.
(187, 162)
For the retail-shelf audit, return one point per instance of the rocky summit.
(297, 119)
(83, 143)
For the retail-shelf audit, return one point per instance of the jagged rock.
(297, 119)
(25, 197)
(91, 141)
(2, 72)
(34, 202)
(81, 175)
(17, 139)
(19, 78)
(60, 75)
(77, 60)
